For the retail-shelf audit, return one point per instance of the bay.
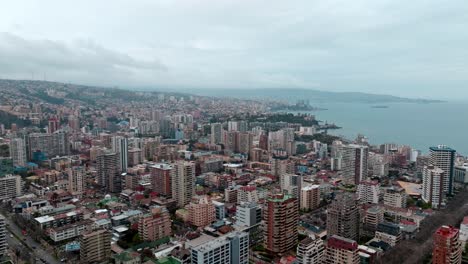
(417, 125)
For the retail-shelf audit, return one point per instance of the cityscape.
(103, 175)
(233, 132)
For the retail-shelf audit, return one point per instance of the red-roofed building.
(447, 248)
(341, 250)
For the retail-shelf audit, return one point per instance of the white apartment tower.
(10, 187)
(351, 160)
(76, 179)
(311, 250)
(368, 192)
(182, 182)
(310, 197)
(216, 133)
(443, 157)
(18, 152)
(120, 146)
(230, 249)
(433, 185)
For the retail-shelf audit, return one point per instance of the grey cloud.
(387, 46)
(81, 60)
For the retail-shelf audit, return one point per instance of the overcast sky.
(415, 48)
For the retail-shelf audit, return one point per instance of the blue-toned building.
(443, 157)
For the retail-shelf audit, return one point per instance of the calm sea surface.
(417, 125)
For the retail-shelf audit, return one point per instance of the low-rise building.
(59, 234)
(388, 233)
(341, 250)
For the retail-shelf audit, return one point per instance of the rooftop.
(442, 148)
(310, 187)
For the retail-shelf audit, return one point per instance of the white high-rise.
(10, 187)
(443, 157)
(18, 152)
(76, 179)
(120, 146)
(351, 160)
(368, 192)
(311, 250)
(182, 182)
(433, 186)
(216, 133)
(230, 249)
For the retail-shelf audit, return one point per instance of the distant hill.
(57, 93)
(315, 96)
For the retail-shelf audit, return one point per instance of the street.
(27, 243)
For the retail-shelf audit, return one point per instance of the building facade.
(311, 250)
(155, 225)
(343, 217)
(161, 179)
(280, 223)
(443, 157)
(310, 197)
(447, 248)
(341, 250)
(230, 249)
(433, 186)
(95, 246)
(182, 182)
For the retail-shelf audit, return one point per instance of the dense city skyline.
(233, 132)
(411, 49)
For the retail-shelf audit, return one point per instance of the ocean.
(417, 125)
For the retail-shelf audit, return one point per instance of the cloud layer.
(406, 48)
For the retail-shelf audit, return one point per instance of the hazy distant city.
(233, 132)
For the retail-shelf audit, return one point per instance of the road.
(27, 243)
(415, 250)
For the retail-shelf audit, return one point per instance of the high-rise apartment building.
(10, 187)
(120, 146)
(230, 249)
(108, 173)
(433, 186)
(343, 217)
(282, 166)
(76, 179)
(249, 217)
(341, 250)
(161, 179)
(182, 182)
(447, 248)
(443, 157)
(53, 125)
(56, 144)
(280, 223)
(247, 194)
(155, 225)
(18, 152)
(351, 160)
(368, 192)
(216, 133)
(248, 214)
(395, 196)
(201, 212)
(310, 197)
(95, 246)
(310, 250)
